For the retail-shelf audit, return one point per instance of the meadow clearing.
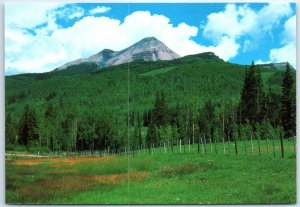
(164, 177)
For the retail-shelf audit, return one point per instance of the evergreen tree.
(53, 127)
(10, 132)
(273, 112)
(69, 132)
(28, 126)
(288, 112)
(251, 97)
(160, 111)
(139, 133)
(178, 120)
(152, 134)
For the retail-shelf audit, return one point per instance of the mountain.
(147, 49)
(276, 66)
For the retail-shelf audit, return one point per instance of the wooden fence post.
(229, 148)
(210, 144)
(216, 145)
(252, 144)
(198, 145)
(258, 142)
(281, 145)
(204, 144)
(245, 145)
(267, 144)
(224, 145)
(235, 145)
(294, 140)
(180, 146)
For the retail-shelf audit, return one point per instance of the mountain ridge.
(277, 66)
(147, 49)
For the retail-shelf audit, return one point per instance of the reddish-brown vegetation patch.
(59, 162)
(180, 170)
(117, 178)
(74, 182)
(28, 162)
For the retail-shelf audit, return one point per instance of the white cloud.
(91, 34)
(238, 21)
(262, 62)
(227, 49)
(286, 53)
(290, 30)
(271, 15)
(28, 15)
(70, 12)
(232, 22)
(99, 10)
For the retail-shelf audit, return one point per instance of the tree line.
(259, 113)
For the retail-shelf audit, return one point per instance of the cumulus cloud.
(246, 26)
(261, 62)
(52, 45)
(46, 52)
(232, 22)
(28, 15)
(99, 10)
(238, 21)
(70, 12)
(286, 53)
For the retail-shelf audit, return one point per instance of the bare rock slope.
(148, 49)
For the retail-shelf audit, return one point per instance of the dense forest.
(87, 108)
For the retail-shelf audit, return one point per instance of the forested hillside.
(87, 108)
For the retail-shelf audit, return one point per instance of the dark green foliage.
(252, 96)
(86, 108)
(152, 134)
(160, 111)
(28, 126)
(288, 104)
(69, 132)
(10, 131)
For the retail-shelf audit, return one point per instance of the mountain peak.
(276, 66)
(106, 51)
(206, 56)
(147, 49)
(146, 39)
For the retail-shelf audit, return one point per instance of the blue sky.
(42, 36)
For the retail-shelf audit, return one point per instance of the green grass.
(160, 178)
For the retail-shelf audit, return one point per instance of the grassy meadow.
(161, 177)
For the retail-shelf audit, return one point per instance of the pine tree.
(251, 100)
(53, 127)
(288, 112)
(152, 134)
(139, 137)
(160, 111)
(28, 126)
(10, 131)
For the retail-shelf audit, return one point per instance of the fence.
(201, 146)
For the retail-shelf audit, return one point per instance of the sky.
(40, 37)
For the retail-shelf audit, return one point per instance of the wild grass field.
(164, 177)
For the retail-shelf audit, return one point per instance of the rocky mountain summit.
(277, 66)
(147, 49)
